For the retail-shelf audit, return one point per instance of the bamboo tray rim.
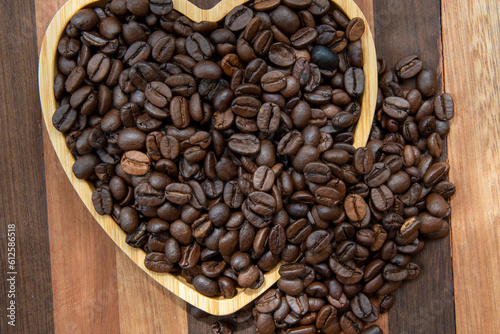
(175, 283)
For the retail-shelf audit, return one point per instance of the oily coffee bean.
(325, 58)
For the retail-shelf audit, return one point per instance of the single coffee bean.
(238, 18)
(178, 193)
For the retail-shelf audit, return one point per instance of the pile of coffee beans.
(217, 147)
(396, 196)
(224, 148)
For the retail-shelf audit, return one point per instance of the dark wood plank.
(22, 196)
(425, 305)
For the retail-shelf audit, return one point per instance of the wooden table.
(71, 278)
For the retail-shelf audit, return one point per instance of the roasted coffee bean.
(355, 29)
(378, 175)
(409, 67)
(205, 285)
(181, 84)
(281, 54)
(325, 58)
(354, 81)
(245, 144)
(207, 70)
(135, 163)
(238, 18)
(427, 83)
(396, 107)
(444, 107)
(178, 193)
(263, 179)
(179, 112)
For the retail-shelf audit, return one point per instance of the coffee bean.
(355, 29)
(281, 54)
(444, 107)
(354, 80)
(245, 144)
(409, 67)
(238, 18)
(325, 58)
(427, 83)
(178, 193)
(205, 285)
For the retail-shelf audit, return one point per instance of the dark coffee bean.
(64, 117)
(386, 303)
(178, 193)
(158, 262)
(427, 83)
(181, 84)
(444, 107)
(325, 58)
(396, 107)
(160, 7)
(248, 276)
(263, 179)
(363, 308)
(238, 18)
(85, 19)
(378, 175)
(282, 55)
(207, 70)
(246, 106)
(354, 81)
(435, 173)
(409, 67)
(199, 47)
(158, 94)
(319, 7)
(206, 286)
(245, 144)
(285, 19)
(303, 37)
(179, 112)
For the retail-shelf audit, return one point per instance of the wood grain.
(22, 197)
(471, 72)
(425, 305)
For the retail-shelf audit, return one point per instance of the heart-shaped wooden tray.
(176, 284)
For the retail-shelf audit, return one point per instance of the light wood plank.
(471, 38)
